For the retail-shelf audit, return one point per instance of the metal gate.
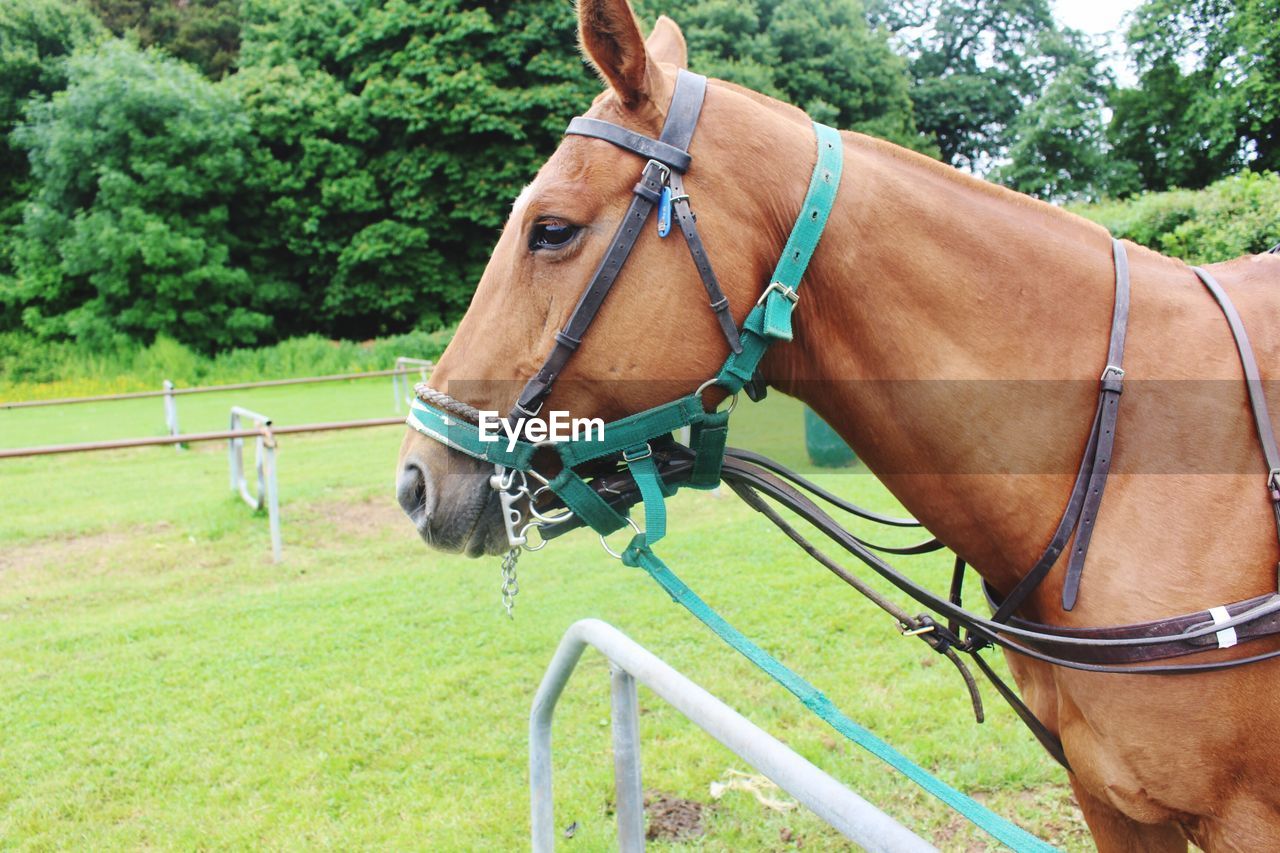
(851, 815)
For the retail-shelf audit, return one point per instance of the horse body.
(953, 333)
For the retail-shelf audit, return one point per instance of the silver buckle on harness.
(644, 454)
(788, 292)
(1111, 370)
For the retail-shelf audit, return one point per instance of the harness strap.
(770, 320)
(1109, 406)
(1095, 465)
(668, 160)
(692, 239)
(682, 114)
(640, 463)
(668, 155)
(1253, 384)
(539, 387)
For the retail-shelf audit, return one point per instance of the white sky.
(1092, 16)
(1101, 17)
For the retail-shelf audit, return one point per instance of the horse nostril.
(412, 491)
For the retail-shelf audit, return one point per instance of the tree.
(205, 33)
(36, 36)
(1208, 96)
(976, 65)
(822, 57)
(1059, 148)
(129, 231)
(393, 137)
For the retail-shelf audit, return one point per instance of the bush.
(36, 36)
(391, 138)
(129, 233)
(66, 368)
(1236, 216)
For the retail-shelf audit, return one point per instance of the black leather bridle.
(668, 159)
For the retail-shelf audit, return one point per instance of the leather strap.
(683, 113)
(568, 339)
(1090, 482)
(1109, 410)
(1055, 639)
(1253, 385)
(667, 156)
(647, 147)
(688, 225)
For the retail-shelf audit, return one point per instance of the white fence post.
(171, 412)
(264, 460)
(402, 376)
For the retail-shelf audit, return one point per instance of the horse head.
(654, 337)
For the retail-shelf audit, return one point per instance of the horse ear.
(666, 43)
(611, 39)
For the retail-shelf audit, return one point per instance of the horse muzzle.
(447, 497)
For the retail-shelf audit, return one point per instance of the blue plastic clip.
(664, 212)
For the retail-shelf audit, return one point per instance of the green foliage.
(392, 138)
(1058, 146)
(821, 57)
(137, 166)
(205, 33)
(33, 368)
(1208, 96)
(977, 65)
(1236, 216)
(36, 36)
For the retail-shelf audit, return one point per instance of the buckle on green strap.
(640, 452)
(779, 287)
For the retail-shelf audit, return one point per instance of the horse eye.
(552, 234)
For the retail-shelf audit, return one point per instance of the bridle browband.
(644, 465)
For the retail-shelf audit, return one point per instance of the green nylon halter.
(768, 321)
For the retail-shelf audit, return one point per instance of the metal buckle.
(1111, 370)
(666, 170)
(915, 632)
(787, 292)
(526, 413)
(628, 458)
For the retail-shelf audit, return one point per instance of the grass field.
(166, 686)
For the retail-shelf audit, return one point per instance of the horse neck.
(933, 314)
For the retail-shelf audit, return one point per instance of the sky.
(1098, 17)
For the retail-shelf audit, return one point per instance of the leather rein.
(604, 501)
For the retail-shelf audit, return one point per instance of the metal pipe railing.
(849, 814)
(192, 438)
(170, 392)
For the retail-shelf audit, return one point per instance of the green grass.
(34, 369)
(166, 686)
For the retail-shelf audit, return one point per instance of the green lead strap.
(1007, 833)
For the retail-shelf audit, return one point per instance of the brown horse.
(933, 313)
